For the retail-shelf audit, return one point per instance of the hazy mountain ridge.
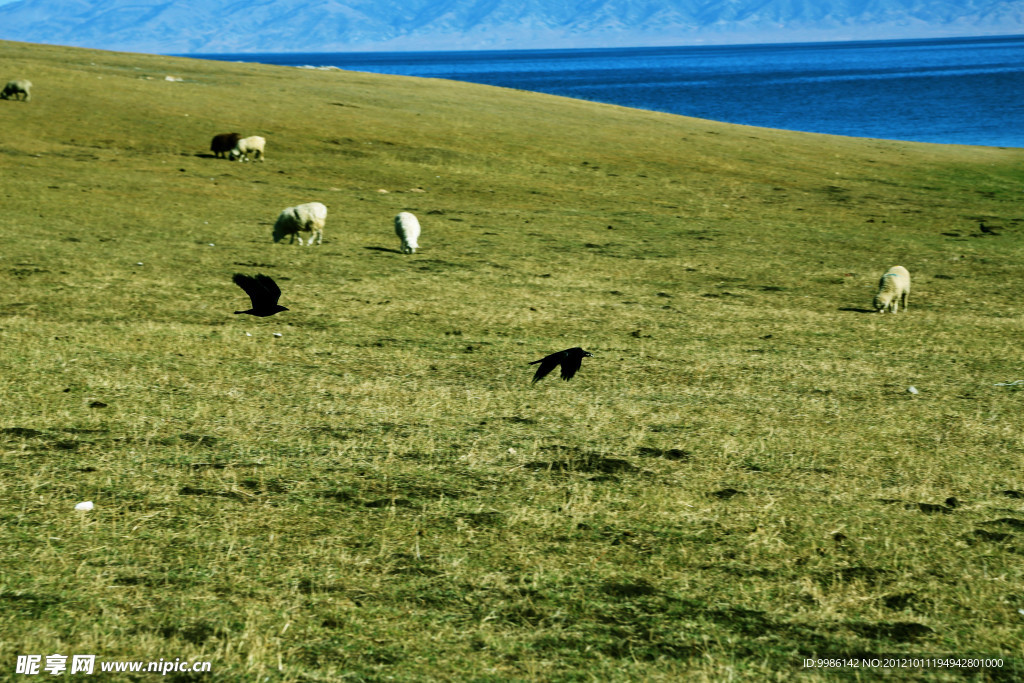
(185, 26)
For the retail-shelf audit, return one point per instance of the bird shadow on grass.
(392, 251)
(857, 310)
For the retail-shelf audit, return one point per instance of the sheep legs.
(314, 235)
(895, 305)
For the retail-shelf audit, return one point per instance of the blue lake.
(960, 91)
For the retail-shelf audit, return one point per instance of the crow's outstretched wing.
(262, 290)
(272, 291)
(547, 364)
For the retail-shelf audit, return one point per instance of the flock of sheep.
(893, 288)
(304, 218)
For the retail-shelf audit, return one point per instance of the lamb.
(304, 217)
(893, 288)
(222, 144)
(19, 90)
(253, 144)
(408, 230)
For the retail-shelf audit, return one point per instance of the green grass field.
(737, 481)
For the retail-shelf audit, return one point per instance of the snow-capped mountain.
(218, 26)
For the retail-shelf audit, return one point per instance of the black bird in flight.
(263, 292)
(570, 360)
(987, 229)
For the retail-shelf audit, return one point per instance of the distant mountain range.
(225, 26)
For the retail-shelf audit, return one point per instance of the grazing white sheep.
(302, 218)
(19, 90)
(408, 230)
(893, 289)
(253, 144)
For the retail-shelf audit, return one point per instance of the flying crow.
(263, 292)
(987, 229)
(570, 360)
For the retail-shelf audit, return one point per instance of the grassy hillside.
(738, 479)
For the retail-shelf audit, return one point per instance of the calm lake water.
(962, 91)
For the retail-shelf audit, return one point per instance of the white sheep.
(19, 90)
(893, 289)
(408, 230)
(253, 144)
(302, 218)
